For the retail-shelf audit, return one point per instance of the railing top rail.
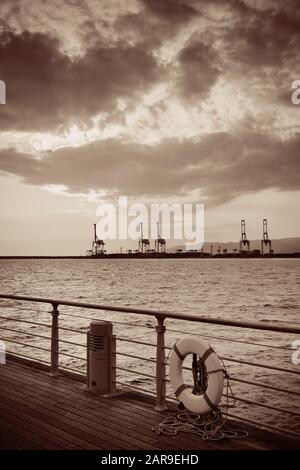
(281, 328)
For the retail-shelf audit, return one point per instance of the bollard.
(101, 358)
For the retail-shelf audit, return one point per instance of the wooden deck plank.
(132, 407)
(111, 412)
(192, 446)
(184, 446)
(108, 413)
(149, 416)
(14, 440)
(135, 430)
(53, 407)
(63, 430)
(89, 401)
(26, 431)
(29, 422)
(84, 428)
(40, 411)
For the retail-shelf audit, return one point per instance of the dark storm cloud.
(171, 11)
(258, 44)
(197, 70)
(266, 39)
(156, 22)
(221, 165)
(194, 70)
(46, 89)
(262, 36)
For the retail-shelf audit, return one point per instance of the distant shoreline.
(158, 256)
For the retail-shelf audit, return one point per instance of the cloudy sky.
(164, 100)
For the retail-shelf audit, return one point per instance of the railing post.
(87, 359)
(160, 365)
(54, 341)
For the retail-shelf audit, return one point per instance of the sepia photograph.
(150, 231)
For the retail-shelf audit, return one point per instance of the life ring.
(208, 401)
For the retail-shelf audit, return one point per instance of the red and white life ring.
(201, 404)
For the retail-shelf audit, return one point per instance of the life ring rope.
(209, 402)
(216, 370)
(204, 356)
(181, 356)
(180, 389)
(207, 353)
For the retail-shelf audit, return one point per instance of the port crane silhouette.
(144, 243)
(244, 242)
(265, 239)
(98, 245)
(160, 243)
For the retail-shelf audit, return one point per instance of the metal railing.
(161, 360)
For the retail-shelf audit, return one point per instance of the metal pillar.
(161, 404)
(55, 341)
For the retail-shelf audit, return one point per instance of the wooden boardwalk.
(38, 411)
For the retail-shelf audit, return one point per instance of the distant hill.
(279, 245)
